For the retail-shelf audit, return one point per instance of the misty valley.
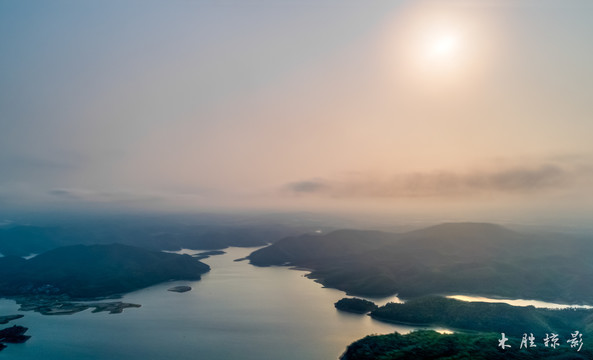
(268, 286)
(296, 179)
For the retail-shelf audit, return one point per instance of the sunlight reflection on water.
(519, 302)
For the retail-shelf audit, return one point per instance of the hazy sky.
(449, 107)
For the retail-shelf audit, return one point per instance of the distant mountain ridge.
(468, 258)
(156, 233)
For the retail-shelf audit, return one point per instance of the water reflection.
(237, 311)
(519, 302)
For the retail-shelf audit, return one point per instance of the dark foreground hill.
(466, 258)
(424, 345)
(95, 270)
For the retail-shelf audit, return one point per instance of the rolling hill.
(452, 258)
(94, 270)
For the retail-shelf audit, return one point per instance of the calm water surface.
(237, 311)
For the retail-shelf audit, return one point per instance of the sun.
(439, 52)
(443, 46)
(432, 47)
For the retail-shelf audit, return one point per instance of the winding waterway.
(237, 311)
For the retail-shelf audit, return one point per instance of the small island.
(207, 254)
(62, 305)
(180, 288)
(13, 335)
(355, 305)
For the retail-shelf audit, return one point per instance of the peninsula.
(83, 272)
(355, 305)
(453, 258)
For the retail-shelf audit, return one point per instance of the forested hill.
(96, 270)
(421, 345)
(310, 248)
(470, 258)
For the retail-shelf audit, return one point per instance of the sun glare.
(432, 49)
(444, 46)
(441, 48)
(441, 51)
(433, 46)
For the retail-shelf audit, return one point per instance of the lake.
(237, 311)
